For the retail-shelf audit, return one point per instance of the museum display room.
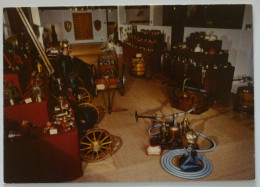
(128, 93)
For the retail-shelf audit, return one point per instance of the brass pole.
(35, 41)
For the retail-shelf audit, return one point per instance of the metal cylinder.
(174, 131)
(11, 102)
(38, 99)
(138, 66)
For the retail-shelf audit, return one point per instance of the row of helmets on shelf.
(203, 63)
(145, 37)
(203, 35)
(199, 49)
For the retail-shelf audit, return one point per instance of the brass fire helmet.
(65, 44)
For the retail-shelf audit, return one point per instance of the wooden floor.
(233, 159)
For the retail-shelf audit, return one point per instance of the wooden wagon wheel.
(122, 90)
(80, 82)
(83, 96)
(96, 145)
(121, 86)
(93, 107)
(121, 81)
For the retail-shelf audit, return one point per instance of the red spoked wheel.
(96, 145)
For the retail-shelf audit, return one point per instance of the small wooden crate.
(184, 100)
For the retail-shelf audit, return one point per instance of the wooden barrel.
(138, 66)
(245, 99)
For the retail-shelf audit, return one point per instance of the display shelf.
(203, 68)
(149, 43)
(206, 45)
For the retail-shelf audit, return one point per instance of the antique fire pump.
(110, 78)
(181, 140)
(169, 134)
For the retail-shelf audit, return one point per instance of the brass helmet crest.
(65, 44)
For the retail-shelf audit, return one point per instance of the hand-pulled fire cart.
(110, 78)
(169, 134)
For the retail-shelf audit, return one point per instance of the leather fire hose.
(167, 164)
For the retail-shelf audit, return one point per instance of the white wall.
(153, 14)
(156, 15)
(37, 21)
(57, 17)
(245, 63)
(248, 16)
(133, 15)
(101, 35)
(6, 25)
(245, 53)
(112, 16)
(35, 16)
(121, 12)
(49, 17)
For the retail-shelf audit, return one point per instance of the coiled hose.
(167, 164)
(167, 158)
(211, 140)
